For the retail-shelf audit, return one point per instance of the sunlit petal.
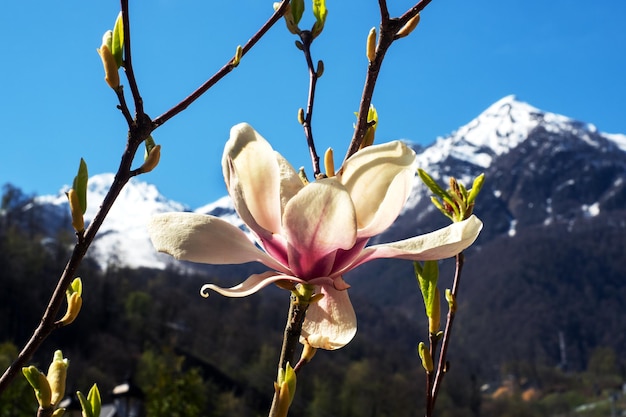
(379, 179)
(206, 239)
(250, 160)
(290, 182)
(440, 244)
(317, 221)
(330, 323)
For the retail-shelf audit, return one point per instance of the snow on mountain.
(122, 238)
(497, 130)
(502, 127)
(470, 150)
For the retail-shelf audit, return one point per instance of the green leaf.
(80, 185)
(320, 12)
(85, 405)
(75, 286)
(427, 277)
(94, 399)
(434, 187)
(290, 379)
(117, 46)
(149, 142)
(297, 9)
(476, 187)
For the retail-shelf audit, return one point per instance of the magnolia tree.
(309, 230)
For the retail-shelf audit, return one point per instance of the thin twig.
(307, 39)
(442, 363)
(291, 336)
(139, 129)
(222, 72)
(388, 29)
(128, 62)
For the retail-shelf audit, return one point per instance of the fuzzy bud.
(329, 163)
(111, 74)
(78, 222)
(56, 377)
(152, 160)
(371, 45)
(427, 360)
(409, 27)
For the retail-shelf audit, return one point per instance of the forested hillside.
(217, 356)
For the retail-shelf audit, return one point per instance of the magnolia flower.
(310, 234)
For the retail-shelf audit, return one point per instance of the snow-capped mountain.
(122, 238)
(531, 159)
(542, 168)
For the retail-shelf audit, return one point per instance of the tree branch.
(389, 27)
(226, 69)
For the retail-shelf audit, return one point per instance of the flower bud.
(427, 360)
(409, 26)
(74, 304)
(56, 376)
(329, 163)
(152, 160)
(451, 301)
(78, 222)
(301, 115)
(238, 54)
(371, 45)
(111, 74)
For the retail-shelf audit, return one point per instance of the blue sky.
(565, 56)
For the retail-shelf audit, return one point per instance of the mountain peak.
(498, 129)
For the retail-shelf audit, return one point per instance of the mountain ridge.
(506, 126)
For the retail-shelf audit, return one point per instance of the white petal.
(330, 323)
(250, 160)
(290, 182)
(249, 286)
(379, 179)
(205, 239)
(440, 244)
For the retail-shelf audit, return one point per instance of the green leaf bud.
(451, 301)
(320, 68)
(427, 360)
(297, 9)
(476, 187)
(40, 385)
(117, 41)
(58, 412)
(94, 400)
(238, 54)
(80, 185)
(320, 12)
